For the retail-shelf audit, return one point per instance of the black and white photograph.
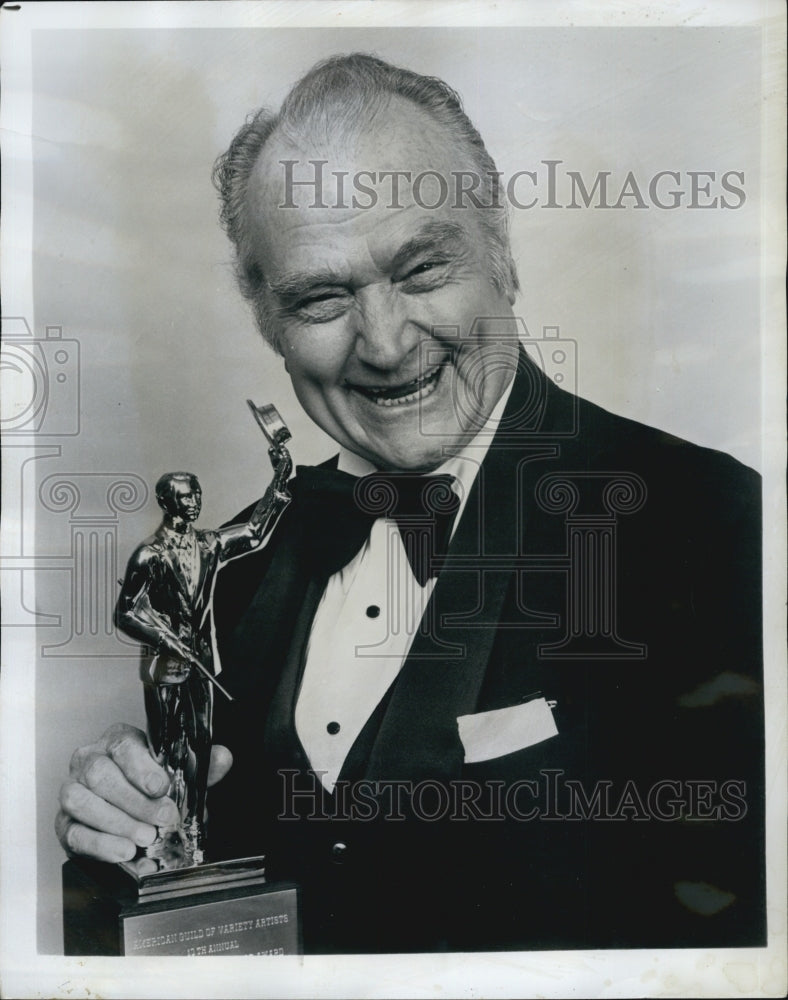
(393, 450)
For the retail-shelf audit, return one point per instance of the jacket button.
(338, 852)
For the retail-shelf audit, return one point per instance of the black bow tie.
(340, 510)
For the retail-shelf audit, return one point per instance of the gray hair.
(332, 97)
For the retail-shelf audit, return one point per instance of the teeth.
(421, 393)
(424, 387)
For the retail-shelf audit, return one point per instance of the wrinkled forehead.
(394, 157)
(374, 184)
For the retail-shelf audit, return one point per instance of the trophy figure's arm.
(241, 538)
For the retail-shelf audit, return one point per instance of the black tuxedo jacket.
(602, 565)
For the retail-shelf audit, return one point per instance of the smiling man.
(497, 673)
(355, 295)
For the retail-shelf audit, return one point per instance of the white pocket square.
(486, 735)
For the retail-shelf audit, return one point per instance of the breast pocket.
(488, 735)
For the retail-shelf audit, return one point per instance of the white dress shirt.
(366, 620)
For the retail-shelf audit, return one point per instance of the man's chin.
(413, 439)
(422, 456)
(417, 467)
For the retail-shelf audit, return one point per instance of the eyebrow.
(433, 236)
(292, 286)
(441, 236)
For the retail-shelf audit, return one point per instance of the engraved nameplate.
(263, 923)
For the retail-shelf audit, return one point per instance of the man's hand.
(116, 796)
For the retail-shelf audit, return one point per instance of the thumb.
(221, 762)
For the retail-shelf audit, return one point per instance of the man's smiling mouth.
(398, 395)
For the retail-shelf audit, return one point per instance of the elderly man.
(497, 673)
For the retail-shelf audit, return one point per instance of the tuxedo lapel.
(445, 669)
(280, 726)
(270, 589)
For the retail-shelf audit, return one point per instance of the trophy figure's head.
(179, 495)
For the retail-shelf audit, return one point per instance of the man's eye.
(322, 297)
(320, 307)
(424, 268)
(425, 274)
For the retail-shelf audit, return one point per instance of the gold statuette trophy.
(171, 900)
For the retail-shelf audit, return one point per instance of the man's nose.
(385, 335)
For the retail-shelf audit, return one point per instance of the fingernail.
(145, 835)
(166, 814)
(156, 784)
(128, 853)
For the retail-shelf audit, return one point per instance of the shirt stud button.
(332, 728)
(373, 611)
(339, 851)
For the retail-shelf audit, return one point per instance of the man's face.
(375, 307)
(185, 501)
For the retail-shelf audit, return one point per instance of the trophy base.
(225, 908)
